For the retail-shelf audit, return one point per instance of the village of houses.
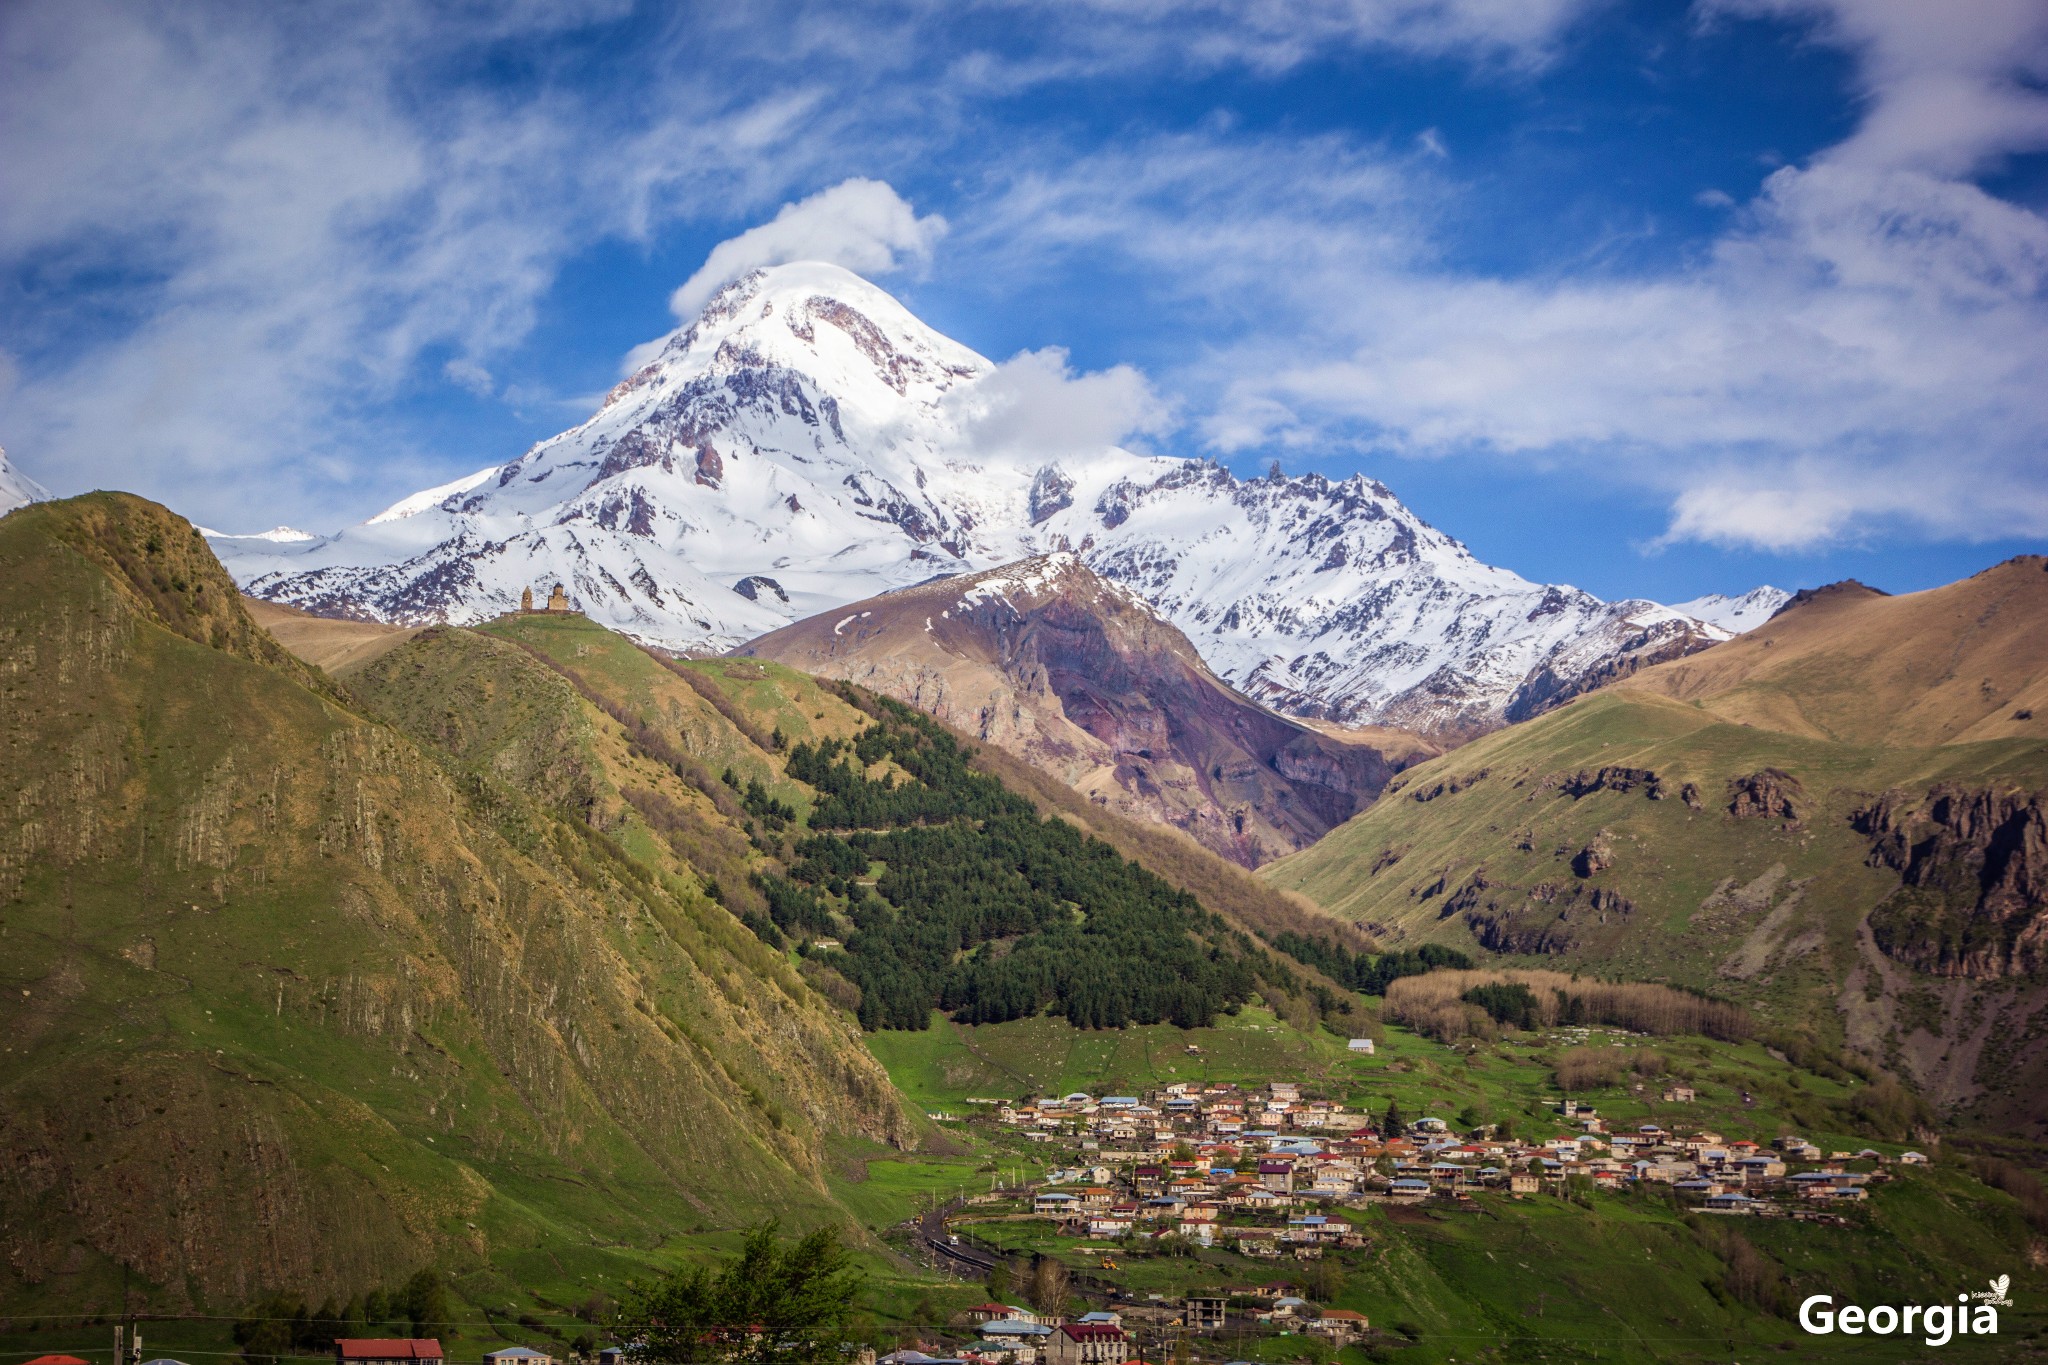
(1268, 1171)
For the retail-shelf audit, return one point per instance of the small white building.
(1022, 1340)
(1362, 1046)
(518, 1355)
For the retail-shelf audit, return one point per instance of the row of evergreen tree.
(1368, 973)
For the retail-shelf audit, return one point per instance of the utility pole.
(135, 1336)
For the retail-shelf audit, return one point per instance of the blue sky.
(1653, 298)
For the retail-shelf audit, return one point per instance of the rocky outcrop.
(1469, 896)
(1548, 918)
(1973, 863)
(1587, 781)
(1596, 857)
(1847, 589)
(1766, 794)
(1449, 786)
(753, 586)
(1544, 919)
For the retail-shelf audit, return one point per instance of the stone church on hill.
(558, 600)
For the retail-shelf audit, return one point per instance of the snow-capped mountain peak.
(427, 498)
(802, 445)
(18, 489)
(869, 351)
(276, 535)
(1032, 580)
(1736, 615)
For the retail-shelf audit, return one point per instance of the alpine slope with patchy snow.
(1736, 615)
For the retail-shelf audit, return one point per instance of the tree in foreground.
(426, 1303)
(781, 1301)
(1049, 1286)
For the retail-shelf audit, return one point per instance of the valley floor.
(1569, 1273)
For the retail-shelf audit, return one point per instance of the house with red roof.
(996, 1312)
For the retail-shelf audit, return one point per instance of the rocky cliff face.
(1078, 675)
(1974, 866)
(807, 443)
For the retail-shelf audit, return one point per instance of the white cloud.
(249, 229)
(1801, 508)
(294, 212)
(1520, 30)
(298, 211)
(1857, 353)
(1949, 85)
(468, 375)
(1033, 408)
(1274, 35)
(863, 225)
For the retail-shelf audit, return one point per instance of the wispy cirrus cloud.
(239, 238)
(1274, 35)
(1856, 354)
(243, 236)
(243, 233)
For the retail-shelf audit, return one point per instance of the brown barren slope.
(1968, 661)
(1077, 677)
(335, 646)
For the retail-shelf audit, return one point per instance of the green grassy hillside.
(1859, 893)
(948, 1064)
(755, 723)
(290, 1003)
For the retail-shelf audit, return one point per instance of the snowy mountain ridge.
(1736, 615)
(16, 488)
(806, 443)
